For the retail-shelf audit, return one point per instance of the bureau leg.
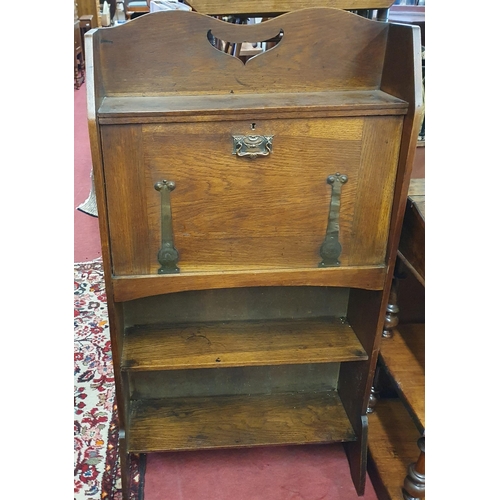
(414, 485)
(391, 316)
(124, 465)
(372, 401)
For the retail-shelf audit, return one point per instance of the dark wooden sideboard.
(249, 217)
(397, 423)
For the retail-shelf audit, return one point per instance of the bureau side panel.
(125, 189)
(375, 190)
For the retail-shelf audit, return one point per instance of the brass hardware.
(167, 255)
(331, 248)
(252, 145)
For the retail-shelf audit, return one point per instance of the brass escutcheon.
(252, 145)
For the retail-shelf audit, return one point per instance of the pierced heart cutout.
(234, 48)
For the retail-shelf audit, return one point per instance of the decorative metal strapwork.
(168, 255)
(331, 248)
(252, 145)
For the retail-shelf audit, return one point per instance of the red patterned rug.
(96, 461)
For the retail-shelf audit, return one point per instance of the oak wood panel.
(270, 379)
(375, 190)
(169, 52)
(230, 304)
(402, 78)
(392, 447)
(267, 213)
(135, 287)
(171, 107)
(115, 312)
(273, 7)
(264, 213)
(239, 343)
(124, 180)
(237, 421)
(403, 355)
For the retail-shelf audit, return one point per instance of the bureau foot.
(414, 485)
(374, 393)
(392, 311)
(372, 401)
(124, 465)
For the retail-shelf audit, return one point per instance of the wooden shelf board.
(132, 107)
(237, 421)
(137, 286)
(404, 358)
(392, 447)
(240, 343)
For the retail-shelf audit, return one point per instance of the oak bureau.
(249, 218)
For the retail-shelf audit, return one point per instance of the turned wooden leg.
(391, 316)
(124, 465)
(372, 401)
(414, 485)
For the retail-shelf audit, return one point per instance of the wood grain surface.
(169, 52)
(239, 343)
(392, 447)
(404, 357)
(237, 421)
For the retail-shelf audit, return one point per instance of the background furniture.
(398, 422)
(249, 237)
(135, 7)
(90, 8)
(272, 8)
(79, 59)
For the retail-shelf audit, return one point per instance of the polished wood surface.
(161, 109)
(240, 232)
(136, 286)
(236, 343)
(267, 375)
(412, 244)
(237, 421)
(291, 66)
(403, 356)
(392, 445)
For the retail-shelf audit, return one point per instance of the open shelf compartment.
(176, 424)
(240, 343)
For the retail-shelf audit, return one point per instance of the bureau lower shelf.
(175, 424)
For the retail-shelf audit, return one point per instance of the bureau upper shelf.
(240, 343)
(126, 109)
